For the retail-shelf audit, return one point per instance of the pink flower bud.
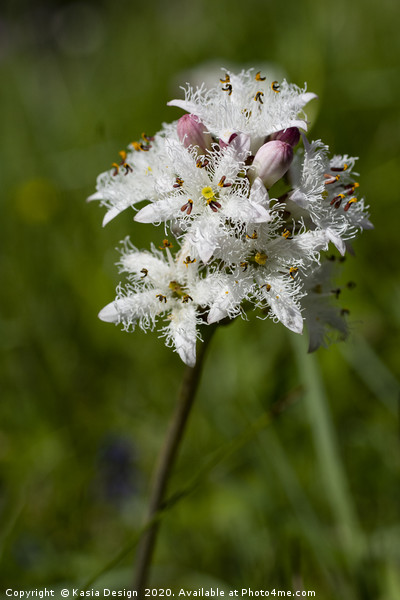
(272, 161)
(192, 132)
(291, 136)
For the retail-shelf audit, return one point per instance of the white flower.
(247, 103)
(326, 194)
(324, 318)
(208, 191)
(143, 169)
(160, 285)
(249, 215)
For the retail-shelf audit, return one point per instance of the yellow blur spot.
(36, 200)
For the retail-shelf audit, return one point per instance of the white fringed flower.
(249, 104)
(233, 242)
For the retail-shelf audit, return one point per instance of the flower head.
(232, 242)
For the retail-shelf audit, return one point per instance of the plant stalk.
(166, 461)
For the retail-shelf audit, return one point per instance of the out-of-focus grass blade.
(331, 467)
(197, 480)
(373, 372)
(309, 522)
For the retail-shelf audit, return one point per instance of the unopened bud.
(192, 132)
(272, 161)
(291, 136)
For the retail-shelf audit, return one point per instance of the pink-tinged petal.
(192, 132)
(272, 161)
(291, 136)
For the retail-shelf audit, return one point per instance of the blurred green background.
(311, 500)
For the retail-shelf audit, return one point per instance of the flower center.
(208, 193)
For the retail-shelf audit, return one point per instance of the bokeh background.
(307, 501)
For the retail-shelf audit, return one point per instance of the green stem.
(166, 462)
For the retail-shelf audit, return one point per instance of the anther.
(147, 138)
(128, 168)
(140, 147)
(331, 178)
(214, 205)
(344, 311)
(116, 168)
(123, 155)
(222, 182)
(259, 96)
(166, 244)
(337, 199)
(351, 285)
(186, 298)
(189, 261)
(293, 271)
(179, 183)
(226, 80)
(258, 77)
(244, 266)
(336, 292)
(340, 169)
(187, 207)
(349, 203)
(267, 286)
(227, 88)
(275, 86)
(161, 298)
(202, 163)
(253, 236)
(351, 187)
(145, 272)
(286, 234)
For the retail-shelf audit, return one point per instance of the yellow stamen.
(275, 86)
(189, 261)
(258, 77)
(166, 244)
